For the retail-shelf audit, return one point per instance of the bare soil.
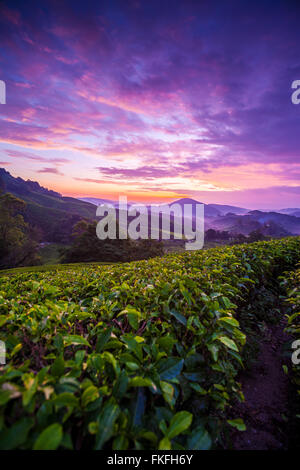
(266, 387)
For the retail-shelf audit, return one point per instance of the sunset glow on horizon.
(152, 101)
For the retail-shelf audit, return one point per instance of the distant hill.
(295, 212)
(211, 210)
(236, 220)
(269, 223)
(51, 213)
(290, 223)
(54, 215)
(224, 209)
(208, 211)
(97, 201)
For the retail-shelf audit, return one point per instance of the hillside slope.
(51, 213)
(269, 223)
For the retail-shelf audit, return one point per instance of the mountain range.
(211, 210)
(55, 215)
(272, 224)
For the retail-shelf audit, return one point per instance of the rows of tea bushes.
(291, 284)
(133, 356)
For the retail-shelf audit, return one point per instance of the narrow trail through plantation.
(267, 394)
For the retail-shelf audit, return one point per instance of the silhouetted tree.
(87, 247)
(17, 245)
(256, 236)
(239, 238)
(210, 234)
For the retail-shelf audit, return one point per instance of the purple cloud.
(153, 91)
(17, 154)
(53, 171)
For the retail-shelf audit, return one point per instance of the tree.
(256, 236)
(17, 247)
(211, 234)
(144, 249)
(239, 238)
(87, 247)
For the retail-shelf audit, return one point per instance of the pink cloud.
(53, 171)
(152, 94)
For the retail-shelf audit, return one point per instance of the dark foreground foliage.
(291, 284)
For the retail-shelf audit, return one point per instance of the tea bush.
(133, 356)
(291, 283)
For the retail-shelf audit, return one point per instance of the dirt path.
(266, 390)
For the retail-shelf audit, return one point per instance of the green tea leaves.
(170, 368)
(121, 355)
(75, 339)
(180, 422)
(228, 342)
(50, 438)
(237, 423)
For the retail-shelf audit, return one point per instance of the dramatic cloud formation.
(156, 99)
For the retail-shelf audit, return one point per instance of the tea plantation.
(143, 355)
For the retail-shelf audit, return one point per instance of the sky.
(155, 100)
